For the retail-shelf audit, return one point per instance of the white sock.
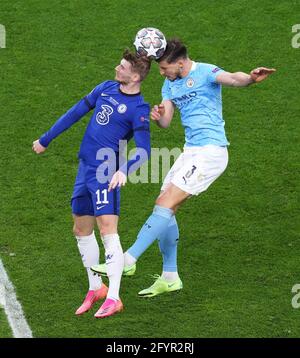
(89, 251)
(129, 260)
(170, 276)
(95, 281)
(114, 260)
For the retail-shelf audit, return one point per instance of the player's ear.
(180, 63)
(136, 77)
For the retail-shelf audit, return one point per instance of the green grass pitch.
(239, 247)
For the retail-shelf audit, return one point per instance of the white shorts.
(196, 168)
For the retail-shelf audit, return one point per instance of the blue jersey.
(117, 116)
(198, 98)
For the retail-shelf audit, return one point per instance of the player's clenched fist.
(157, 112)
(37, 147)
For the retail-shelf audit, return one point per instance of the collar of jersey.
(129, 94)
(194, 65)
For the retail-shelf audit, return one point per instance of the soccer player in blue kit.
(120, 113)
(195, 89)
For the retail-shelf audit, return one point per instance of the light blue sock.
(154, 226)
(167, 243)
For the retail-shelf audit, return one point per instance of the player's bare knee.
(75, 230)
(159, 201)
(164, 202)
(79, 231)
(107, 229)
(107, 225)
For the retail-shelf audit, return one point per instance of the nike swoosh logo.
(100, 207)
(104, 95)
(172, 284)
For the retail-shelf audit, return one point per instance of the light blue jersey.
(198, 98)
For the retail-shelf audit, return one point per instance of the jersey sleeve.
(141, 134)
(141, 119)
(91, 98)
(72, 116)
(212, 72)
(165, 91)
(64, 122)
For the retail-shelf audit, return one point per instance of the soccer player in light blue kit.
(195, 89)
(120, 113)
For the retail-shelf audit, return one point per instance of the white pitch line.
(12, 307)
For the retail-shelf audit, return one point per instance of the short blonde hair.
(140, 64)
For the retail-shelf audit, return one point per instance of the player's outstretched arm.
(37, 147)
(163, 113)
(241, 79)
(72, 116)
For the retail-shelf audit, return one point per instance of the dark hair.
(175, 50)
(140, 64)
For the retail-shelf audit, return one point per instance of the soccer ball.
(150, 42)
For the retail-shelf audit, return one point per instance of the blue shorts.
(91, 197)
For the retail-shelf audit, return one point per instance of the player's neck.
(186, 68)
(130, 88)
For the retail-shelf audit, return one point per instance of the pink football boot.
(92, 297)
(109, 307)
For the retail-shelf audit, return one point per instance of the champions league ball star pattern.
(150, 42)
